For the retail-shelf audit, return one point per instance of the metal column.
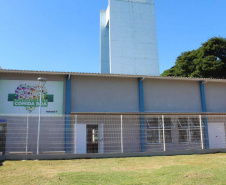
(142, 120)
(203, 102)
(67, 116)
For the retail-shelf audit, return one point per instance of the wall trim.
(67, 113)
(204, 110)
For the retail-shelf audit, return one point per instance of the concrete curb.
(112, 155)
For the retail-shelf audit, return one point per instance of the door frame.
(80, 137)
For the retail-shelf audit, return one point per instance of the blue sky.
(56, 35)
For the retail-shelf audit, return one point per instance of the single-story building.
(108, 113)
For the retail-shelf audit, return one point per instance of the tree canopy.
(209, 61)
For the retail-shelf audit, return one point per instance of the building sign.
(23, 97)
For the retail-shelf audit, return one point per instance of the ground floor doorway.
(88, 138)
(217, 135)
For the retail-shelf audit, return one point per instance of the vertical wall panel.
(215, 97)
(101, 94)
(171, 96)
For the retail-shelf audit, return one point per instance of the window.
(168, 126)
(154, 134)
(189, 130)
(154, 131)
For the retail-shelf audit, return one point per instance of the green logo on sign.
(29, 97)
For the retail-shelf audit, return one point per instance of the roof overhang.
(6, 71)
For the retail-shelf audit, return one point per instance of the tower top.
(140, 1)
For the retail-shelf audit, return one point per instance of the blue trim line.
(203, 102)
(3, 120)
(67, 116)
(142, 119)
(141, 95)
(203, 97)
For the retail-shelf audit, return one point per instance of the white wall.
(105, 94)
(171, 96)
(215, 97)
(101, 94)
(133, 40)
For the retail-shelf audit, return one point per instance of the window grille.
(189, 130)
(155, 130)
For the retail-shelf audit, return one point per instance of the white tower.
(128, 38)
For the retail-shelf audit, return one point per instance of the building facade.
(106, 113)
(128, 38)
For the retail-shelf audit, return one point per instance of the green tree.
(209, 61)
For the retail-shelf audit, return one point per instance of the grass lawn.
(190, 169)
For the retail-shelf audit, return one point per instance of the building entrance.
(92, 138)
(217, 135)
(88, 138)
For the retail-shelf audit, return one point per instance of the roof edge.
(7, 71)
